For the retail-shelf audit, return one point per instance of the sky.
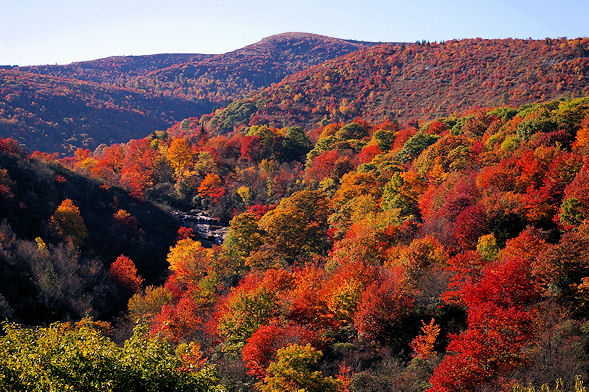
(64, 31)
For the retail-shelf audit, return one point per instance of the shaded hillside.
(232, 75)
(417, 81)
(47, 278)
(116, 69)
(50, 114)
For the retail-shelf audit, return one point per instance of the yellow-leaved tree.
(180, 156)
(68, 222)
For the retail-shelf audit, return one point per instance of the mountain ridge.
(161, 90)
(417, 81)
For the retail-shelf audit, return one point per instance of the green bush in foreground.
(63, 357)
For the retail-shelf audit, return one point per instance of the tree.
(328, 164)
(415, 145)
(178, 321)
(180, 156)
(149, 303)
(297, 225)
(470, 225)
(293, 372)
(68, 222)
(423, 344)
(368, 153)
(487, 247)
(137, 167)
(252, 149)
(385, 303)
(189, 260)
(251, 304)
(63, 357)
(356, 184)
(124, 273)
(491, 344)
(403, 191)
(295, 145)
(243, 237)
(260, 349)
(420, 255)
(211, 188)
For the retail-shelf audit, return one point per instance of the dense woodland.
(443, 248)
(117, 70)
(417, 81)
(450, 255)
(55, 114)
(58, 108)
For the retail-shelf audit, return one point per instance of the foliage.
(293, 371)
(382, 227)
(578, 387)
(408, 82)
(68, 222)
(124, 273)
(63, 357)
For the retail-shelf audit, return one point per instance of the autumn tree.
(383, 306)
(68, 222)
(492, 344)
(294, 371)
(297, 225)
(180, 155)
(260, 349)
(243, 237)
(144, 305)
(251, 304)
(189, 260)
(124, 273)
(423, 344)
(211, 188)
(81, 357)
(252, 148)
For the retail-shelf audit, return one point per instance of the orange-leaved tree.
(68, 222)
(124, 273)
(211, 188)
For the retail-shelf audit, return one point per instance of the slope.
(45, 277)
(116, 69)
(417, 81)
(50, 114)
(232, 75)
(120, 98)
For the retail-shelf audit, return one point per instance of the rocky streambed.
(208, 230)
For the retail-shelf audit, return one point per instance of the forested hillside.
(226, 77)
(417, 81)
(117, 70)
(57, 108)
(55, 114)
(60, 233)
(403, 217)
(364, 256)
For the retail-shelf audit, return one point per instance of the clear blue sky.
(62, 31)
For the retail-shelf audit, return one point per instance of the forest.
(285, 80)
(416, 81)
(448, 254)
(58, 108)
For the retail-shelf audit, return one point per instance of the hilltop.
(232, 75)
(116, 70)
(57, 108)
(417, 81)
